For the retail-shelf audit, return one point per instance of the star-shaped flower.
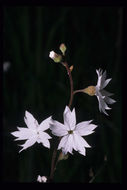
(103, 95)
(72, 133)
(34, 133)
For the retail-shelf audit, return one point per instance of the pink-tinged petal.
(84, 128)
(45, 124)
(63, 142)
(23, 133)
(44, 135)
(45, 143)
(43, 138)
(58, 128)
(77, 145)
(69, 118)
(83, 142)
(30, 121)
(28, 143)
(68, 146)
(73, 115)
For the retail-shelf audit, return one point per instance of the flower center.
(70, 132)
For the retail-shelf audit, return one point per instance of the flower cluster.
(70, 132)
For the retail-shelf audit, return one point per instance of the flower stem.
(76, 91)
(53, 165)
(71, 84)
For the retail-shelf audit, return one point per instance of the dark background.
(93, 36)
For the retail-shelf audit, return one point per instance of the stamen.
(70, 132)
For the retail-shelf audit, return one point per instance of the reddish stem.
(53, 166)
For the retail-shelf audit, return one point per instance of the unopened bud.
(63, 156)
(71, 67)
(90, 90)
(42, 179)
(63, 48)
(56, 57)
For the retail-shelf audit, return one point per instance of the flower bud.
(56, 57)
(63, 48)
(71, 67)
(90, 90)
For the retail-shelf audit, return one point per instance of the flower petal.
(45, 124)
(106, 83)
(43, 138)
(109, 100)
(84, 128)
(66, 144)
(30, 121)
(77, 145)
(106, 93)
(44, 135)
(102, 105)
(58, 129)
(28, 143)
(46, 143)
(69, 118)
(62, 142)
(23, 133)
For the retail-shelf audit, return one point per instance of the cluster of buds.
(57, 57)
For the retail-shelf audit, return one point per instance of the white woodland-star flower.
(72, 133)
(103, 95)
(34, 132)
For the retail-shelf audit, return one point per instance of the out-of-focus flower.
(6, 66)
(72, 133)
(56, 57)
(42, 179)
(34, 132)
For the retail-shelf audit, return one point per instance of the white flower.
(103, 95)
(52, 54)
(56, 57)
(72, 133)
(42, 179)
(34, 133)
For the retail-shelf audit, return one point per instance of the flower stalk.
(53, 165)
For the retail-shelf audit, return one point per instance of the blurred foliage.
(93, 37)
